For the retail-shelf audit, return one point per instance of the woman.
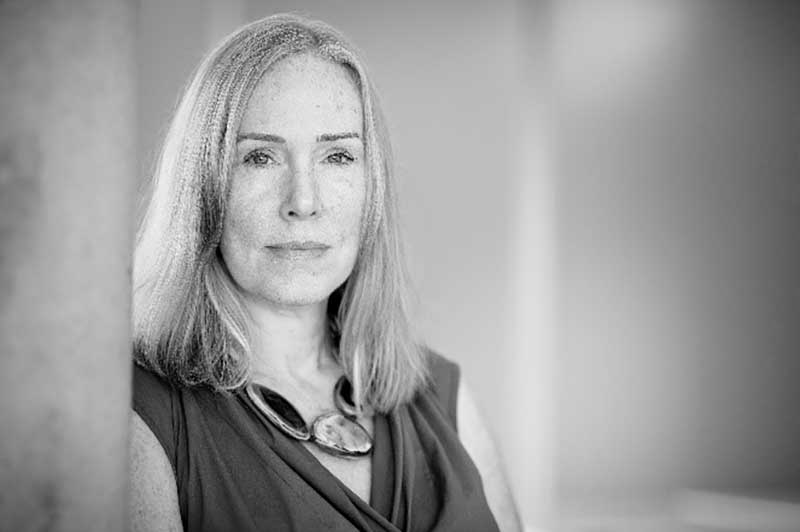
(278, 385)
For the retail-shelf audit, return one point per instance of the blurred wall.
(679, 216)
(67, 152)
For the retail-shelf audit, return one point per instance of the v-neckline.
(385, 489)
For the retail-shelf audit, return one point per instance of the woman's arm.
(154, 493)
(478, 442)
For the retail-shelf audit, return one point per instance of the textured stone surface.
(67, 143)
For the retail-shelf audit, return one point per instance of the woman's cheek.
(346, 201)
(248, 215)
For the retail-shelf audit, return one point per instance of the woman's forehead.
(304, 90)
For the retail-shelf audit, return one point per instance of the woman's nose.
(301, 200)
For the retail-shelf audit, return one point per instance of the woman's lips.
(298, 250)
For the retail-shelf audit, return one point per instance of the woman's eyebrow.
(328, 137)
(266, 137)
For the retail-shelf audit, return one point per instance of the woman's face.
(291, 231)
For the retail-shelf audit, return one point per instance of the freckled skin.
(302, 189)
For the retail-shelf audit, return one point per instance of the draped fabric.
(236, 472)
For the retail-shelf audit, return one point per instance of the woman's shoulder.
(444, 375)
(151, 392)
(153, 452)
(148, 379)
(156, 402)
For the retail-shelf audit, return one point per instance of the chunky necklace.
(336, 432)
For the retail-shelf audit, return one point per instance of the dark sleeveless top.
(236, 472)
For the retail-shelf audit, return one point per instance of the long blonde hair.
(190, 325)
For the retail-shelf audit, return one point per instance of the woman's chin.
(294, 295)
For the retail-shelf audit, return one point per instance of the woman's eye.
(259, 158)
(340, 157)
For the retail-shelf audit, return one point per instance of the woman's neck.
(290, 342)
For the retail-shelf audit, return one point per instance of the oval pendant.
(340, 435)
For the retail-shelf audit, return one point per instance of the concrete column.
(67, 148)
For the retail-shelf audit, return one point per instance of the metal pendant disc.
(338, 435)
